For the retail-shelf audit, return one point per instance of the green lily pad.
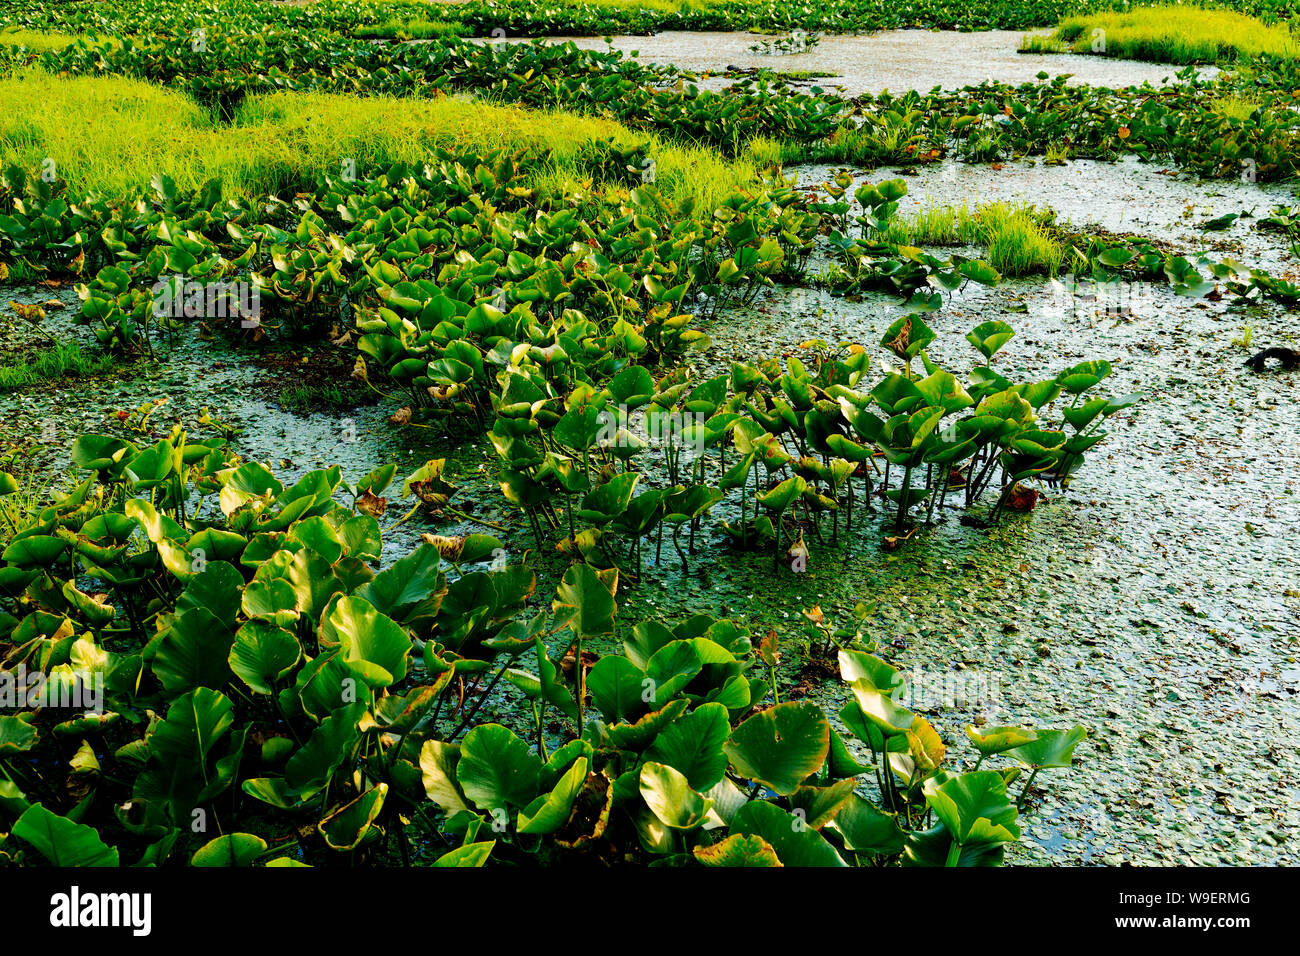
(782, 746)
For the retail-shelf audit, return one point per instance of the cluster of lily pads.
(277, 690)
(1176, 123)
(548, 333)
(789, 450)
(266, 690)
(796, 43)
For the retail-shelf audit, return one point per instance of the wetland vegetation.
(428, 441)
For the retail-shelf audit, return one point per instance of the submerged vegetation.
(523, 249)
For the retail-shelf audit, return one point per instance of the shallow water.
(896, 60)
(1157, 601)
(1127, 196)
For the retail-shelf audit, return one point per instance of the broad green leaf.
(548, 812)
(438, 772)
(263, 654)
(974, 807)
(235, 849)
(372, 643)
(670, 797)
(692, 745)
(585, 601)
(497, 770)
(782, 746)
(61, 841)
(471, 854)
(996, 740)
(866, 829)
(354, 823)
(617, 687)
(795, 843)
(1050, 748)
(17, 734)
(738, 850)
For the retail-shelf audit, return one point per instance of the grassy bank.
(1169, 34)
(112, 135)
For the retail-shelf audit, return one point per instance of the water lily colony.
(223, 666)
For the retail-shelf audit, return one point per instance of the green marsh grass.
(106, 134)
(412, 29)
(1169, 34)
(306, 399)
(21, 510)
(112, 135)
(34, 41)
(1017, 238)
(54, 364)
(1235, 106)
(1018, 241)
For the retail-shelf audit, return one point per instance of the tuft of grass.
(21, 510)
(1055, 154)
(412, 29)
(1018, 242)
(1235, 106)
(1043, 43)
(1247, 336)
(931, 225)
(1017, 238)
(54, 364)
(1168, 34)
(308, 399)
(111, 135)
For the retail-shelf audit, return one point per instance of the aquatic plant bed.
(434, 435)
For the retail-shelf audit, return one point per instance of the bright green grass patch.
(112, 135)
(1018, 241)
(35, 42)
(54, 364)
(683, 173)
(933, 225)
(300, 136)
(1017, 238)
(1168, 34)
(104, 134)
(1235, 106)
(413, 30)
(309, 399)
